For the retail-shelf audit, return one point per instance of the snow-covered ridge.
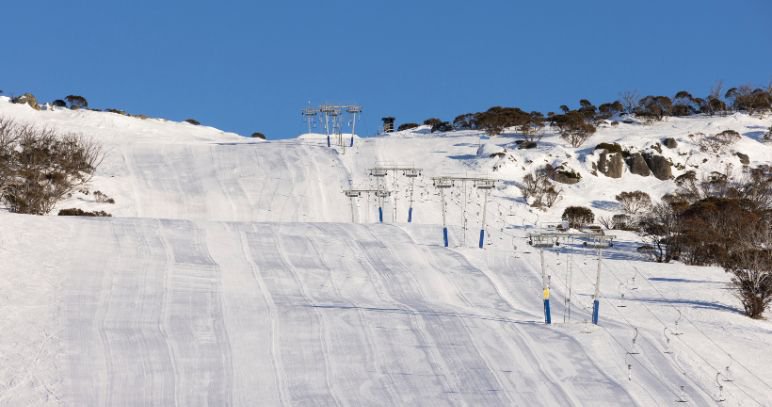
(113, 128)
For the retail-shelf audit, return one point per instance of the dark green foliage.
(407, 126)
(117, 111)
(259, 135)
(717, 221)
(466, 121)
(752, 100)
(432, 121)
(654, 107)
(578, 216)
(575, 126)
(192, 121)
(494, 120)
(438, 125)
(80, 212)
(59, 103)
(76, 102)
(712, 105)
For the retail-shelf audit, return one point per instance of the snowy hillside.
(231, 273)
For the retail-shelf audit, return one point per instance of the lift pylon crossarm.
(485, 184)
(555, 238)
(412, 172)
(379, 172)
(365, 191)
(383, 170)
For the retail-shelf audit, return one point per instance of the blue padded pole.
(445, 235)
(595, 311)
(545, 290)
(482, 237)
(410, 215)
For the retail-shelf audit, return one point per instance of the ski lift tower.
(485, 184)
(443, 183)
(354, 193)
(354, 111)
(542, 241)
(548, 239)
(380, 174)
(412, 174)
(309, 114)
(329, 111)
(381, 194)
(380, 171)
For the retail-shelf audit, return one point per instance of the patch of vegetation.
(407, 126)
(578, 216)
(39, 167)
(80, 212)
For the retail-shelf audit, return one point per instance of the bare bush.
(538, 188)
(606, 222)
(752, 279)
(101, 197)
(718, 142)
(634, 202)
(630, 100)
(40, 167)
(660, 228)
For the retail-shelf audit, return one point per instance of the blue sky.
(249, 66)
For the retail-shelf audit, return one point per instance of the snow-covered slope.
(231, 274)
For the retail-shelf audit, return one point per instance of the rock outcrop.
(611, 164)
(659, 166)
(670, 143)
(638, 165)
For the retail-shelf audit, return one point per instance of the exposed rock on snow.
(659, 166)
(670, 142)
(744, 159)
(638, 165)
(611, 164)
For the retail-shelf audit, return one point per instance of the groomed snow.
(231, 274)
